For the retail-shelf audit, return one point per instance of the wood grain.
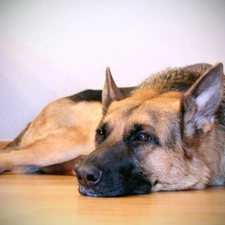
(48, 199)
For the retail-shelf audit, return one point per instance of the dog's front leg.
(62, 131)
(68, 168)
(41, 155)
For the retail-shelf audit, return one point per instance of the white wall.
(50, 49)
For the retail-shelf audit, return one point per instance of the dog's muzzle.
(110, 173)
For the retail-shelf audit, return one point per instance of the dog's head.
(153, 141)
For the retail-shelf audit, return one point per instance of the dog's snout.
(88, 175)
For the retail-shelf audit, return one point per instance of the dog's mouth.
(103, 192)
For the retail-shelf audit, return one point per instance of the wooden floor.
(48, 199)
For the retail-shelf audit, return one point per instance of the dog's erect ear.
(201, 102)
(110, 91)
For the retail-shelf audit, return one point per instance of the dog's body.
(168, 134)
(54, 141)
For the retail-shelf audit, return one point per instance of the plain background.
(51, 49)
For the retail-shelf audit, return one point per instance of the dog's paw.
(2, 168)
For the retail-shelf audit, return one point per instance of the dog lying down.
(163, 135)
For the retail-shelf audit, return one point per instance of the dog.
(166, 134)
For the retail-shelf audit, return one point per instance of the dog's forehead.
(140, 110)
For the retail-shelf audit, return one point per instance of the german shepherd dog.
(166, 134)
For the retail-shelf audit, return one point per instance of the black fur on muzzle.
(111, 172)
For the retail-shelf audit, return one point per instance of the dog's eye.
(143, 137)
(100, 135)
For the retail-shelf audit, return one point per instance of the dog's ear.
(110, 91)
(200, 103)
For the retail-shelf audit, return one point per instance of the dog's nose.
(88, 175)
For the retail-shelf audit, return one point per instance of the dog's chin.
(104, 192)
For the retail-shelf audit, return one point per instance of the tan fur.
(56, 135)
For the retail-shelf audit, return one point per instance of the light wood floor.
(48, 199)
